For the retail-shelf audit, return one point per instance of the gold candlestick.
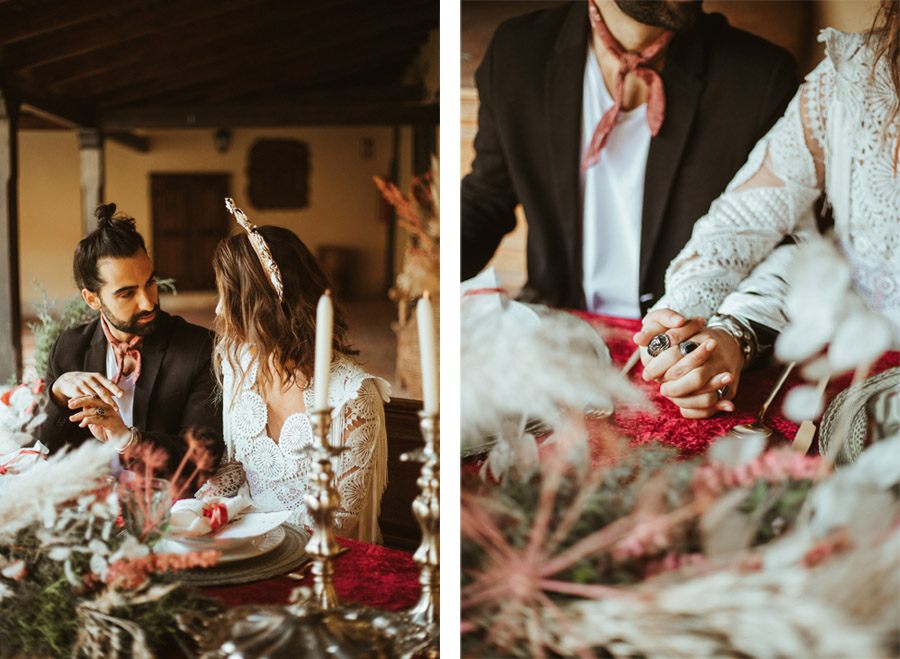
(426, 508)
(322, 500)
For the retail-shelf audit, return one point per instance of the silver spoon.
(759, 427)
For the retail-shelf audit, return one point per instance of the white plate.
(248, 548)
(246, 527)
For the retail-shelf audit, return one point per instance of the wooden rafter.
(18, 25)
(282, 114)
(102, 33)
(313, 61)
(178, 45)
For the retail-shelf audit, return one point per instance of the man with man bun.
(134, 375)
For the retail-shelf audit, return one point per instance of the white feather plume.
(512, 367)
(36, 493)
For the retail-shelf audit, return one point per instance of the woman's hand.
(694, 381)
(673, 325)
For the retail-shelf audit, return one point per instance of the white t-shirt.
(612, 194)
(126, 384)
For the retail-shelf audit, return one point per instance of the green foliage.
(40, 615)
(74, 312)
(514, 504)
(49, 325)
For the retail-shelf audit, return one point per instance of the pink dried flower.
(646, 538)
(836, 544)
(672, 561)
(774, 466)
(131, 573)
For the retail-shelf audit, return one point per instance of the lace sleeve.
(362, 476)
(772, 196)
(226, 482)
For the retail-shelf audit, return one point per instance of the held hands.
(77, 384)
(692, 381)
(95, 395)
(101, 419)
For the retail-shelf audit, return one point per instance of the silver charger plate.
(872, 405)
(286, 557)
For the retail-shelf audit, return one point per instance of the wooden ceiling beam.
(102, 33)
(36, 117)
(282, 114)
(235, 44)
(388, 66)
(19, 25)
(177, 46)
(286, 63)
(363, 31)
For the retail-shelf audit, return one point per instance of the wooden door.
(189, 220)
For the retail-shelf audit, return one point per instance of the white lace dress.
(274, 474)
(834, 138)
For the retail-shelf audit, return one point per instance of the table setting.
(596, 520)
(99, 560)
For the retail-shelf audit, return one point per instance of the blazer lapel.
(153, 351)
(563, 99)
(95, 356)
(682, 77)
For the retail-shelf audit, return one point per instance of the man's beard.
(132, 325)
(670, 15)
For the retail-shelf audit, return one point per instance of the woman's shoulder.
(349, 380)
(847, 53)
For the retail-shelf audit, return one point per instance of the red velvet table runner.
(366, 574)
(692, 436)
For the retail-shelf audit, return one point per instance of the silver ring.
(101, 411)
(687, 347)
(659, 344)
(721, 393)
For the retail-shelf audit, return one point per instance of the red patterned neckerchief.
(636, 62)
(123, 349)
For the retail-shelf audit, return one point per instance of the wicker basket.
(409, 369)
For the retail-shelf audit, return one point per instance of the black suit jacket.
(175, 391)
(724, 90)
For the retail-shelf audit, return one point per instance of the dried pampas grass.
(34, 495)
(773, 613)
(538, 370)
(831, 588)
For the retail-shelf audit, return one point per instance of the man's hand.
(79, 384)
(693, 382)
(102, 419)
(674, 325)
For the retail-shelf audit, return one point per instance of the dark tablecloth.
(365, 574)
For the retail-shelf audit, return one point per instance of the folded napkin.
(15, 462)
(195, 517)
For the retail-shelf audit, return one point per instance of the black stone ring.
(101, 411)
(687, 347)
(721, 393)
(659, 344)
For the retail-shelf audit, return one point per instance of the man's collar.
(152, 341)
(576, 29)
(685, 56)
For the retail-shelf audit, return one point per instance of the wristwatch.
(743, 334)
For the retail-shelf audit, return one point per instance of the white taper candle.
(428, 354)
(324, 328)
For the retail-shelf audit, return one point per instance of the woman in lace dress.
(839, 136)
(265, 361)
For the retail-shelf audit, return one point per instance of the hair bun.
(104, 214)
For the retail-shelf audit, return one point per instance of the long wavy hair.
(884, 40)
(281, 336)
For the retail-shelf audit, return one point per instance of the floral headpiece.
(259, 246)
